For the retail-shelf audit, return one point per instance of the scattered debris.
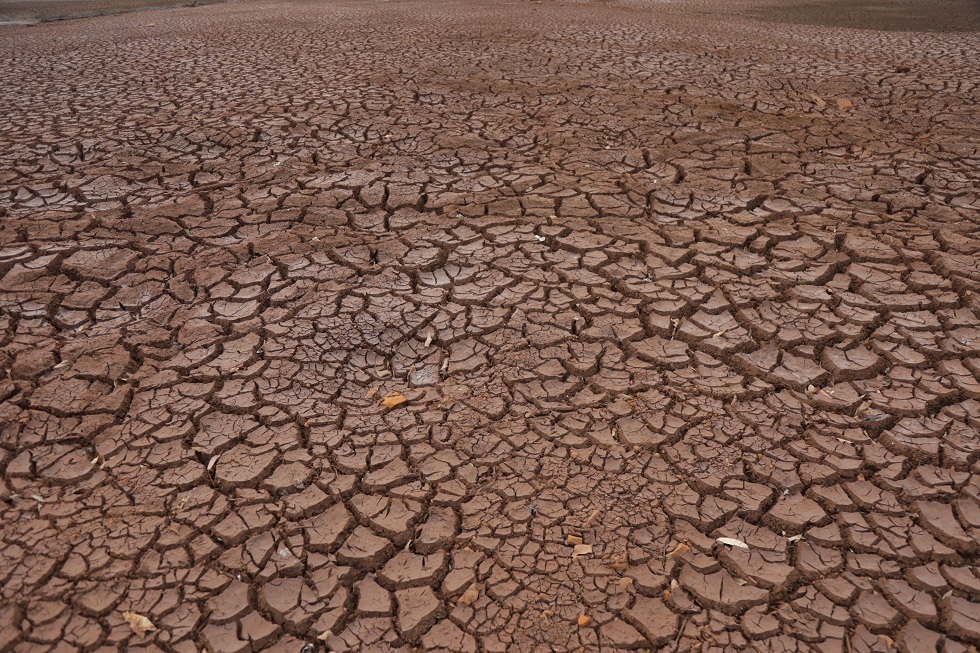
(393, 399)
(470, 596)
(140, 624)
(593, 518)
(731, 541)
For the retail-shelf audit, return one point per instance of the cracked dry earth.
(645, 277)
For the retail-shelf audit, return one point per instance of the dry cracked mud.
(473, 326)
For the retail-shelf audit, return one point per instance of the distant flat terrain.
(884, 15)
(37, 11)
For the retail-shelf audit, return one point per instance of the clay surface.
(489, 326)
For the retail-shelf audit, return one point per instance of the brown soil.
(488, 326)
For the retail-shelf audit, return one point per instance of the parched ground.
(491, 326)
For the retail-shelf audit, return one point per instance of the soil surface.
(485, 326)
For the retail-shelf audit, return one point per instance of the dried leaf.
(584, 620)
(213, 462)
(679, 551)
(140, 624)
(325, 635)
(60, 365)
(393, 399)
(573, 540)
(795, 538)
(581, 550)
(428, 339)
(470, 596)
(383, 374)
(817, 100)
(731, 541)
(593, 518)
(370, 393)
(547, 613)
(844, 104)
